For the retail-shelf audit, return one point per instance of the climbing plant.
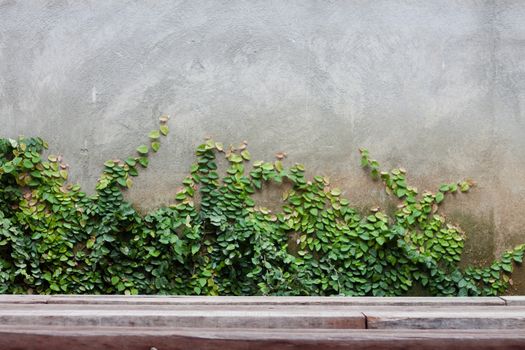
(215, 239)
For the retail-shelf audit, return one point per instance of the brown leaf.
(242, 146)
(280, 155)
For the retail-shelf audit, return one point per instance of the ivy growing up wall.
(215, 240)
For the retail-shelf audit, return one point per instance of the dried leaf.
(280, 155)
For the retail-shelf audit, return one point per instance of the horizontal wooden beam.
(180, 322)
(67, 338)
(250, 300)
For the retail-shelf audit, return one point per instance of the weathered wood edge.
(250, 300)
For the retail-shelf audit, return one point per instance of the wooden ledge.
(66, 338)
(180, 322)
(258, 300)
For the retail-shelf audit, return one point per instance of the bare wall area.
(435, 86)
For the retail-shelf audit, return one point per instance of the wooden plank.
(226, 300)
(196, 300)
(513, 300)
(265, 316)
(204, 308)
(23, 299)
(237, 339)
(205, 317)
(450, 318)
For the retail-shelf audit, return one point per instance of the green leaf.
(235, 158)
(154, 134)
(142, 149)
(164, 130)
(155, 146)
(464, 186)
(507, 267)
(267, 166)
(444, 188)
(131, 161)
(246, 155)
(144, 162)
(439, 197)
(400, 192)
(195, 248)
(115, 280)
(8, 167)
(121, 287)
(202, 281)
(27, 164)
(336, 192)
(278, 165)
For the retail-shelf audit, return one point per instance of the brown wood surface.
(199, 300)
(144, 322)
(448, 318)
(235, 339)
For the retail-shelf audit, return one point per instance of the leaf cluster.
(216, 240)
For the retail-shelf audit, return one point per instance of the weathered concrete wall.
(435, 86)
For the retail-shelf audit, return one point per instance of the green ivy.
(215, 240)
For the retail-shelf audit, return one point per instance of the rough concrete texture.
(435, 86)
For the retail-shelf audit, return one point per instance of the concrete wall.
(435, 86)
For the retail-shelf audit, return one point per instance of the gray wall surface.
(435, 86)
